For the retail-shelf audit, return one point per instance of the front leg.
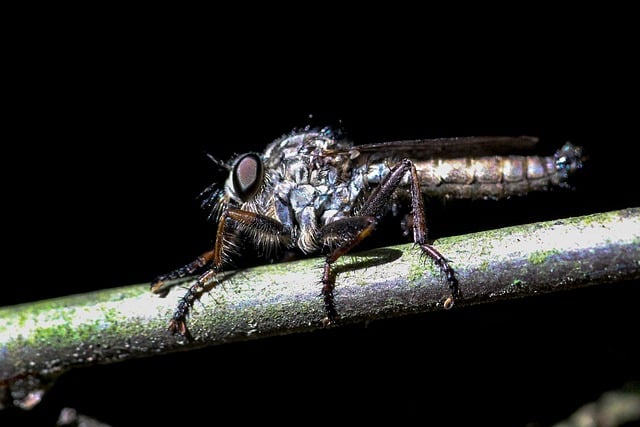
(264, 228)
(158, 286)
(375, 204)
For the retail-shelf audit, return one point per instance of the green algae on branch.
(540, 257)
(43, 339)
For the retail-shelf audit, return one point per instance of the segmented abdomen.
(488, 177)
(497, 176)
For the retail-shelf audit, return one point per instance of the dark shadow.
(368, 258)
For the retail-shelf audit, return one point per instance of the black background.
(108, 158)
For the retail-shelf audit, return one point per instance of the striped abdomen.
(497, 176)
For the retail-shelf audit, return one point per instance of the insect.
(313, 191)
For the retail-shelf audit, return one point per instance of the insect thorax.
(311, 181)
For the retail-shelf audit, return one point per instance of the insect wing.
(471, 146)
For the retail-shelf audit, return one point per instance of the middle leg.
(340, 235)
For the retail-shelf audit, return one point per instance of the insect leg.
(244, 220)
(263, 226)
(380, 196)
(178, 321)
(158, 286)
(342, 235)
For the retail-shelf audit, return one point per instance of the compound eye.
(247, 176)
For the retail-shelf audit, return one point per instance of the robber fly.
(313, 191)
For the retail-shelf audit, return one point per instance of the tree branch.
(41, 340)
